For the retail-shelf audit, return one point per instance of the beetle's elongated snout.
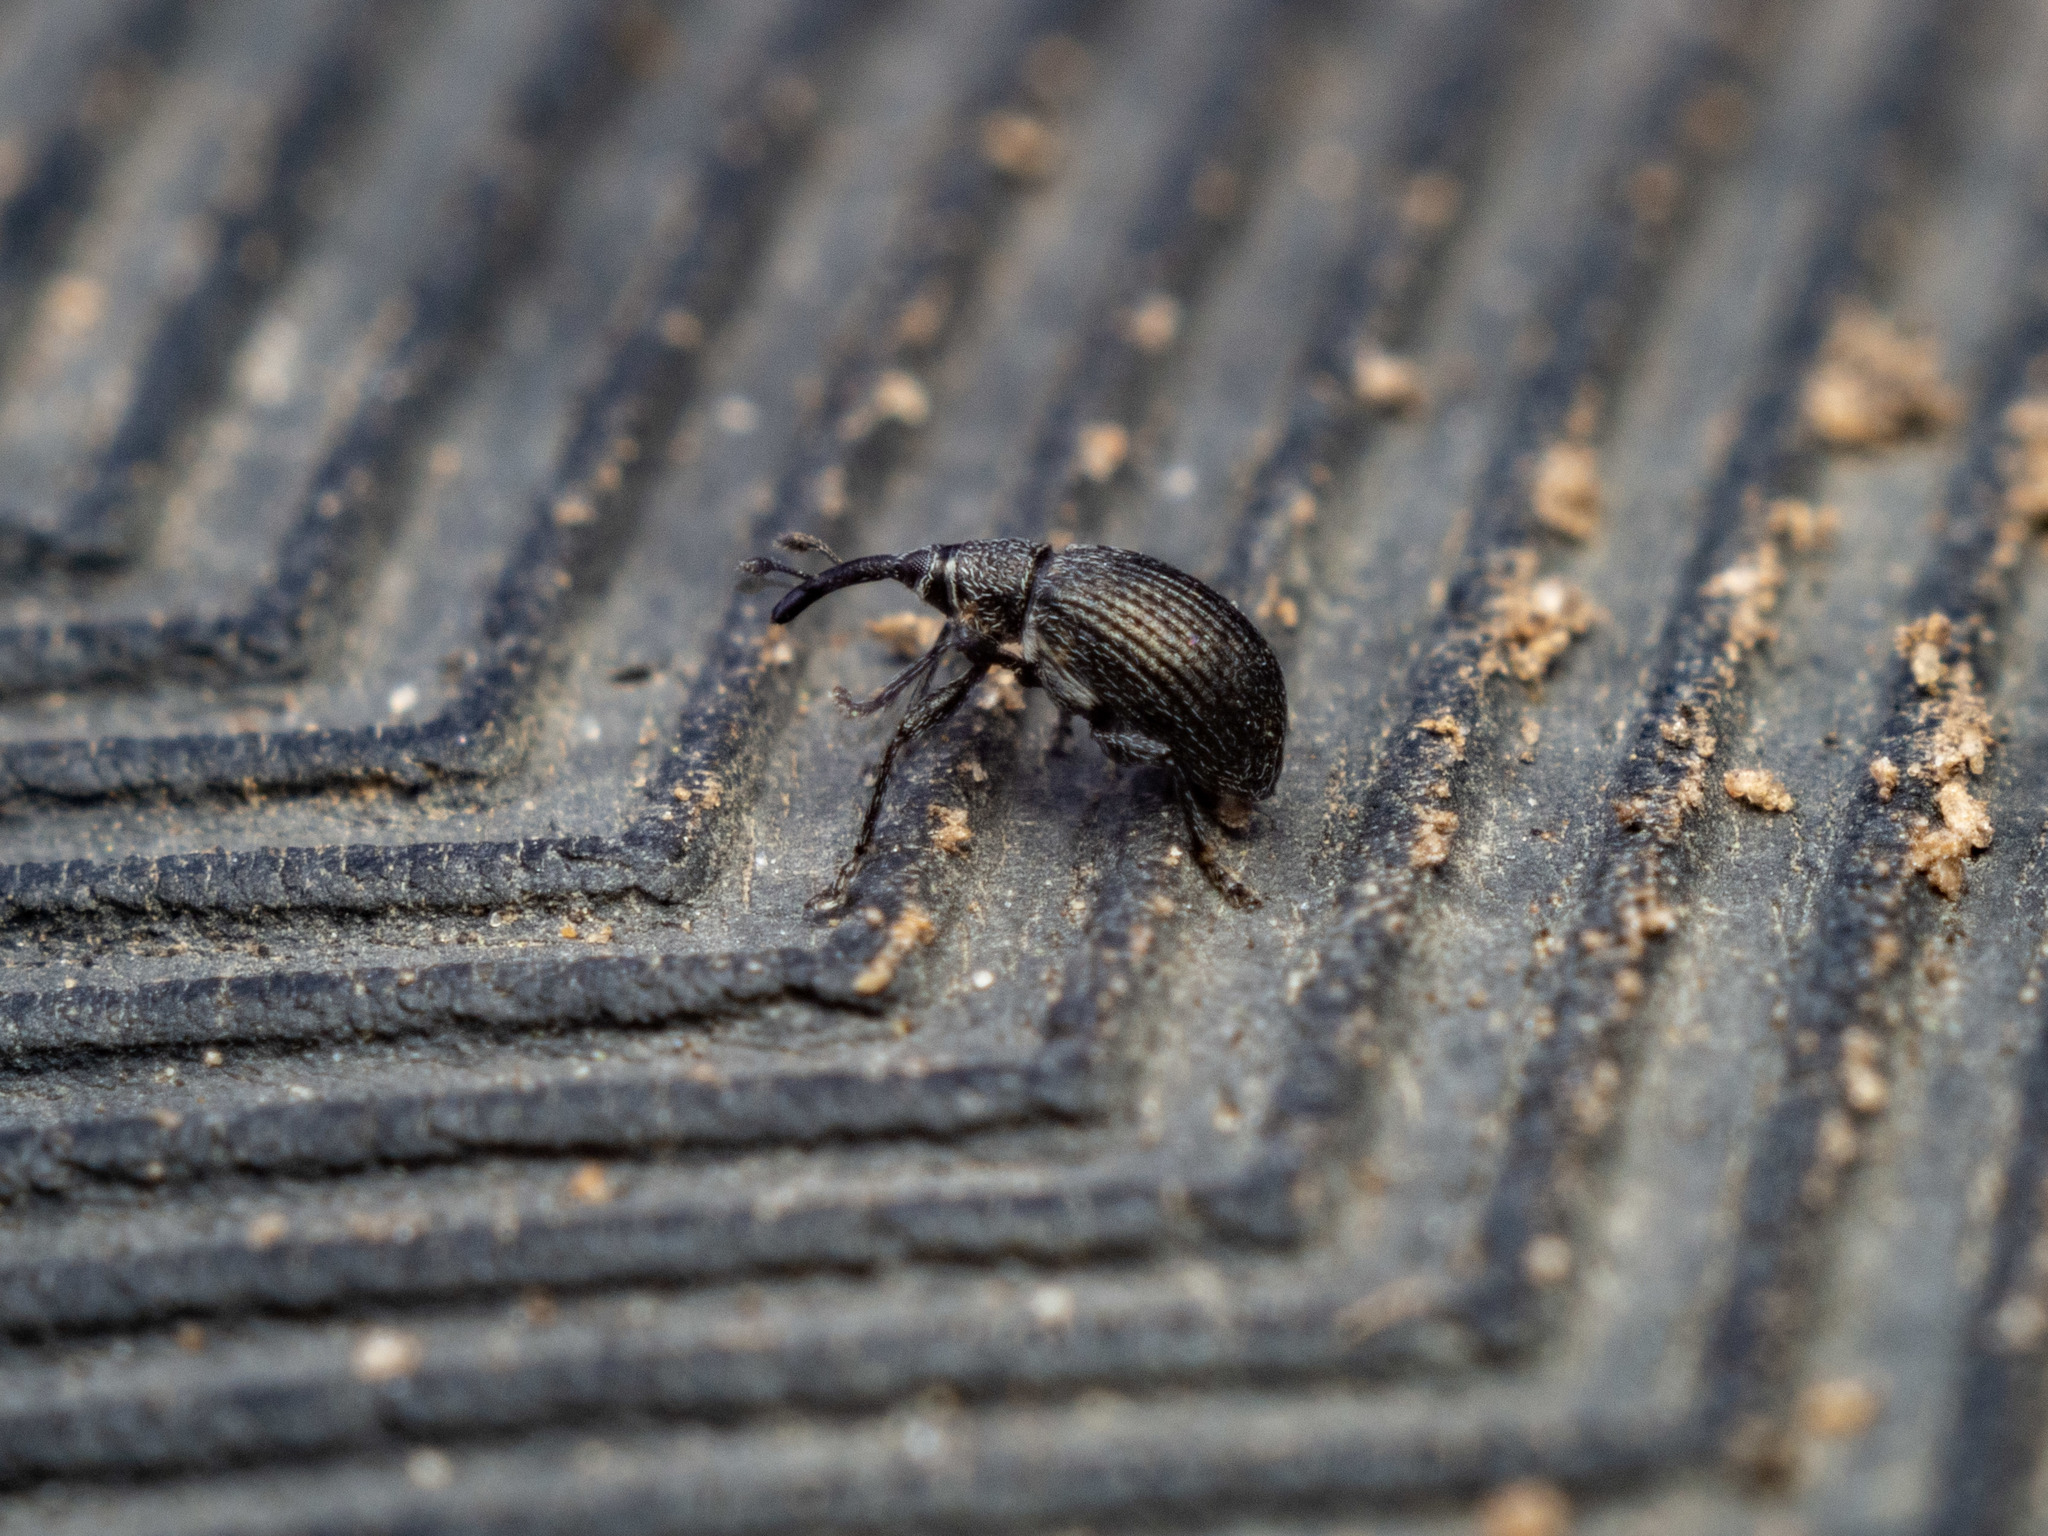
(851, 573)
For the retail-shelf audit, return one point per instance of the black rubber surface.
(427, 1106)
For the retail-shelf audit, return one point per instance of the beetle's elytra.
(1164, 669)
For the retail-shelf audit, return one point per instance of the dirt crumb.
(909, 633)
(1938, 852)
(1101, 449)
(1839, 1410)
(2026, 466)
(1001, 690)
(1885, 774)
(1432, 844)
(1920, 642)
(590, 1185)
(1863, 1082)
(950, 832)
(1020, 145)
(1566, 492)
(1874, 386)
(1530, 623)
(1153, 323)
(1802, 526)
(1449, 729)
(1759, 787)
(1527, 1508)
(385, 1354)
(1752, 585)
(909, 930)
(1276, 604)
(1532, 732)
(1386, 382)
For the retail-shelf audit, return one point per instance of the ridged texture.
(424, 1103)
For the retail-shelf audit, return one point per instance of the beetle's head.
(980, 586)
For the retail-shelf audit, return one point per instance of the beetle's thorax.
(985, 587)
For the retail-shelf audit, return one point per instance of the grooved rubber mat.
(427, 1105)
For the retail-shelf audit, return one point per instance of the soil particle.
(950, 832)
(1874, 386)
(909, 930)
(1758, 787)
(1565, 494)
(1803, 527)
(1386, 382)
(1530, 622)
(908, 634)
(1528, 1508)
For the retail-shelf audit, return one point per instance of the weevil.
(1165, 670)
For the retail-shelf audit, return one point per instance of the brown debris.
(1449, 729)
(909, 930)
(950, 832)
(1955, 739)
(1938, 852)
(1386, 382)
(1839, 1410)
(2026, 466)
(1885, 774)
(1873, 386)
(908, 633)
(1920, 642)
(1153, 323)
(1759, 787)
(1527, 1508)
(1001, 690)
(1276, 604)
(1432, 844)
(1530, 623)
(1864, 1088)
(1020, 145)
(590, 1185)
(1803, 527)
(1101, 450)
(385, 1354)
(1565, 494)
(1753, 585)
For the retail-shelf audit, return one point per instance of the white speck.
(923, 1441)
(1052, 1306)
(1180, 482)
(760, 861)
(429, 1469)
(403, 697)
(271, 365)
(982, 980)
(590, 729)
(736, 415)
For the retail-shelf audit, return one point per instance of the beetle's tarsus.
(1228, 886)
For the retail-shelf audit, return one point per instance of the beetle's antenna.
(753, 573)
(806, 543)
(850, 573)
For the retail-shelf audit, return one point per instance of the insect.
(1165, 670)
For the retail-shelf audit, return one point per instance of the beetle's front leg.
(923, 716)
(919, 672)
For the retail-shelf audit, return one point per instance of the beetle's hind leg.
(918, 672)
(926, 714)
(1228, 886)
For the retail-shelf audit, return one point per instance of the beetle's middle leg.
(928, 712)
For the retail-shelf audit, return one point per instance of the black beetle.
(1164, 669)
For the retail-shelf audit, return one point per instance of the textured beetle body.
(1164, 669)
